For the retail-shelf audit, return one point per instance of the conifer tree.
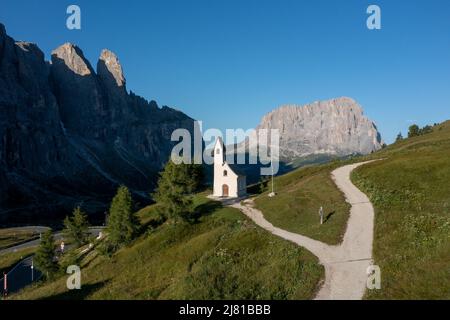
(175, 188)
(425, 130)
(414, 131)
(195, 176)
(122, 224)
(44, 258)
(76, 228)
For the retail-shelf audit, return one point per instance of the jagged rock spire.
(109, 68)
(73, 58)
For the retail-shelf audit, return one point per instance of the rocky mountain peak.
(71, 136)
(73, 58)
(2, 30)
(335, 106)
(109, 68)
(333, 127)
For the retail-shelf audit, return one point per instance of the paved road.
(22, 275)
(34, 243)
(35, 229)
(346, 264)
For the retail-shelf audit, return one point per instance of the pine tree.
(44, 258)
(414, 131)
(122, 225)
(195, 176)
(399, 137)
(175, 189)
(76, 228)
(425, 130)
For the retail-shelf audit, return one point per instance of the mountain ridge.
(70, 135)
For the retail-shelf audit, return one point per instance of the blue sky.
(228, 62)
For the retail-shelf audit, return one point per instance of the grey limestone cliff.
(334, 127)
(70, 135)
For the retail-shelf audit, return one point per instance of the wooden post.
(5, 284)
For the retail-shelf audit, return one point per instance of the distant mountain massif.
(315, 133)
(70, 135)
(334, 127)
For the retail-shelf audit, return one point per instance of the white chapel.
(228, 181)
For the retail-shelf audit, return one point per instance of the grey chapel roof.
(237, 169)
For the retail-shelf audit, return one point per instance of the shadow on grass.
(257, 188)
(81, 294)
(205, 210)
(329, 216)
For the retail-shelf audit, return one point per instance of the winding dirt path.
(345, 264)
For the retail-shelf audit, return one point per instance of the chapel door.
(225, 190)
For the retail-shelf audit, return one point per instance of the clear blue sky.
(228, 62)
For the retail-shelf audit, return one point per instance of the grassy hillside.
(299, 197)
(410, 191)
(223, 256)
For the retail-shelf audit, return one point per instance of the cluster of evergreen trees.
(176, 186)
(76, 232)
(415, 131)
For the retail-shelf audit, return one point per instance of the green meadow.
(222, 256)
(410, 191)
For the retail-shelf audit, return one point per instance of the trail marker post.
(272, 194)
(321, 215)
